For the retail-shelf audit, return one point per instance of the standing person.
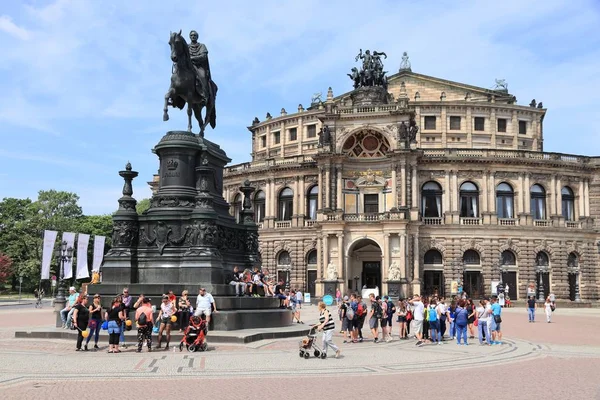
(383, 319)
(346, 322)
(115, 316)
(374, 316)
(417, 325)
(531, 306)
(300, 298)
(425, 329)
(184, 311)
(548, 309)
(327, 325)
(338, 297)
(95, 324)
(237, 280)
(81, 316)
(144, 320)
(452, 315)
(442, 309)
(471, 318)
(483, 318)
(496, 321)
(390, 311)
(64, 313)
(402, 320)
(295, 309)
(461, 320)
(205, 304)
(126, 304)
(360, 316)
(434, 322)
(164, 316)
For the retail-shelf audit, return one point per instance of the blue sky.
(82, 82)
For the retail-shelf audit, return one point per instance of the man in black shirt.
(279, 293)
(81, 316)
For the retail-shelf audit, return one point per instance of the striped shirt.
(330, 323)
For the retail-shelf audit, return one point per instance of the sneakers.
(337, 353)
(85, 348)
(96, 347)
(419, 343)
(138, 351)
(376, 340)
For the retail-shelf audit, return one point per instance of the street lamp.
(541, 270)
(287, 276)
(573, 266)
(63, 254)
(356, 278)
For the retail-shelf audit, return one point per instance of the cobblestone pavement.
(557, 360)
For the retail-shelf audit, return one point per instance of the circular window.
(370, 143)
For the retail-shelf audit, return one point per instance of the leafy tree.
(5, 268)
(142, 206)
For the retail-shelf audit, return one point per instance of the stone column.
(414, 185)
(493, 127)
(581, 211)
(342, 273)
(300, 136)
(403, 185)
(552, 194)
(320, 194)
(394, 189)
(521, 195)
(446, 199)
(339, 198)
(444, 126)
(558, 196)
(282, 136)
(302, 193)
(586, 197)
(327, 187)
(325, 253)
(416, 282)
(403, 269)
(485, 194)
(527, 194)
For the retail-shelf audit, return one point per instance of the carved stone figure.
(394, 272)
(372, 73)
(162, 232)
(191, 82)
(405, 63)
(124, 233)
(332, 274)
(413, 129)
(324, 136)
(501, 85)
(403, 131)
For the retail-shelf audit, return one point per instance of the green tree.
(5, 268)
(142, 206)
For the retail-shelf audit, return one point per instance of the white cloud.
(8, 26)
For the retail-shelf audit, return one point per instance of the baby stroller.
(194, 337)
(308, 344)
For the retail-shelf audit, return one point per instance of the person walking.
(144, 320)
(95, 324)
(164, 316)
(418, 316)
(327, 325)
(548, 309)
(115, 316)
(531, 306)
(81, 316)
(483, 318)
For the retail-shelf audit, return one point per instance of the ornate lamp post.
(63, 254)
(287, 276)
(573, 267)
(356, 278)
(541, 269)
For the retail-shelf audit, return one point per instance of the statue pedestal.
(330, 288)
(369, 96)
(394, 289)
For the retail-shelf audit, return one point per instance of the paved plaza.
(558, 361)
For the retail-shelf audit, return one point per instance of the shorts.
(384, 322)
(401, 319)
(356, 322)
(346, 324)
(113, 327)
(200, 311)
(417, 326)
(166, 321)
(494, 327)
(374, 323)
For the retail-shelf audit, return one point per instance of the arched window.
(541, 259)
(311, 258)
(284, 258)
(431, 200)
(432, 257)
(237, 207)
(572, 260)
(471, 257)
(286, 204)
(259, 206)
(568, 203)
(469, 200)
(508, 258)
(311, 203)
(538, 202)
(505, 200)
(284, 261)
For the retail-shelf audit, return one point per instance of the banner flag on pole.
(98, 253)
(48, 250)
(82, 258)
(68, 237)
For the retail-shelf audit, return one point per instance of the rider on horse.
(199, 56)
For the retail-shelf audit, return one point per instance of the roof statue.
(371, 72)
(191, 81)
(501, 85)
(405, 63)
(316, 98)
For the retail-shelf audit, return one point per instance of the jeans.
(328, 342)
(63, 315)
(482, 328)
(434, 326)
(95, 326)
(452, 329)
(531, 313)
(122, 336)
(442, 325)
(461, 331)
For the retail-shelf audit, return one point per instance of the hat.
(72, 288)
(345, 298)
(165, 297)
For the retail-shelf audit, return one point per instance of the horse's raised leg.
(189, 113)
(198, 114)
(165, 110)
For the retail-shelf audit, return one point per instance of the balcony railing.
(508, 221)
(572, 224)
(369, 217)
(498, 153)
(260, 225)
(283, 224)
(309, 222)
(544, 223)
(432, 221)
(470, 221)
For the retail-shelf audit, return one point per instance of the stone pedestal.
(330, 288)
(394, 289)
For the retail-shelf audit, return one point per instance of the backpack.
(360, 310)
(391, 308)
(142, 319)
(377, 310)
(349, 313)
(432, 314)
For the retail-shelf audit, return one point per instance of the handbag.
(409, 316)
(105, 326)
(476, 322)
(497, 319)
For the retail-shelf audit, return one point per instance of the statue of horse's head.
(178, 45)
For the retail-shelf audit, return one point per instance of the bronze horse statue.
(184, 87)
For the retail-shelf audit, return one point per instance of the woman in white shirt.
(548, 309)
(483, 318)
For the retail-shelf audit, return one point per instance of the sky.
(82, 82)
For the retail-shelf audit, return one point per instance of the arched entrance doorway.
(433, 275)
(364, 266)
(473, 279)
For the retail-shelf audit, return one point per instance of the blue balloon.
(328, 300)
